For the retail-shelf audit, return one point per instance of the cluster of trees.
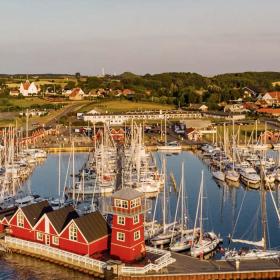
(184, 88)
(173, 88)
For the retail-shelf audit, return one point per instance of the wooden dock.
(76, 262)
(186, 268)
(54, 150)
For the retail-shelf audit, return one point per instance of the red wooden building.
(127, 240)
(5, 216)
(25, 218)
(51, 224)
(86, 235)
(62, 228)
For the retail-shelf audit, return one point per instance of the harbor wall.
(264, 274)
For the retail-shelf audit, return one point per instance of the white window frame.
(119, 233)
(40, 236)
(137, 233)
(137, 218)
(55, 240)
(121, 220)
(73, 232)
(20, 219)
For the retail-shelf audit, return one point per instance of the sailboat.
(171, 146)
(260, 252)
(168, 232)
(207, 242)
(232, 175)
(185, 240)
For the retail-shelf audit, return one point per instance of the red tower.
(127, 238)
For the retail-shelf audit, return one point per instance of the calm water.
(221, 206)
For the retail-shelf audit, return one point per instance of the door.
(47, 239)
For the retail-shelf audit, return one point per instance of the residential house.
(29, 89)
(269, 111)
(235, 108)
(272, 98)
(77, 94)
(14, 92)
(192, 134)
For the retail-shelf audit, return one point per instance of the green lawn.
(118, 106)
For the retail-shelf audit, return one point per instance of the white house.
(27, 88)
(272, 97)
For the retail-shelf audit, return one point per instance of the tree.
(78, 76)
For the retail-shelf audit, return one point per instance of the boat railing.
(55, 253)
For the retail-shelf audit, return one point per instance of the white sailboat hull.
(234, 255)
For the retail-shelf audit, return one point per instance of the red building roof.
(93, 226)
(26, 85)
(275, 95)
(269, 111)
(34, 212)
(61, 217)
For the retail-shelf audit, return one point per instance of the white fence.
(55, 253)
(163, 261)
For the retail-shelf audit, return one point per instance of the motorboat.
(249, 176)
(219, 175)
(232, 175)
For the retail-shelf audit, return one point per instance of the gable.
(13, 220)
(65, 233)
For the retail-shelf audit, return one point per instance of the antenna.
(103, 72)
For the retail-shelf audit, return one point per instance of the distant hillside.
(177, 88)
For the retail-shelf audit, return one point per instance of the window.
(136, 219)
(73, 233)
(120, 236)
(55, 240)
(121, 220)
(39, 236)
(137, 235)
(121, 203)
(118, 203)
(20, 219)
(124, 204)
(135, 202)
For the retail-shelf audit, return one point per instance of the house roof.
(190, 130)
(75, 92)
(275, 94)
(61, 217)
(8, 213)
(127, 193)
(93, 226)
(269, 111)
(35, 211)
(26, 85)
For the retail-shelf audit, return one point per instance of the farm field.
(118, 106)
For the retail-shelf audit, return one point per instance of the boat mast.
(164, 197)
(59, 166)
(165, 134)
(73, 171)
(182, 203)
(201, 208)
(263, 209)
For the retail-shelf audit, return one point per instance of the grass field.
(118, 106)
(62, 81)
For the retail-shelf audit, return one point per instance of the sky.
(143, 36)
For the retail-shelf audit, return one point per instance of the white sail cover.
(249, 242)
